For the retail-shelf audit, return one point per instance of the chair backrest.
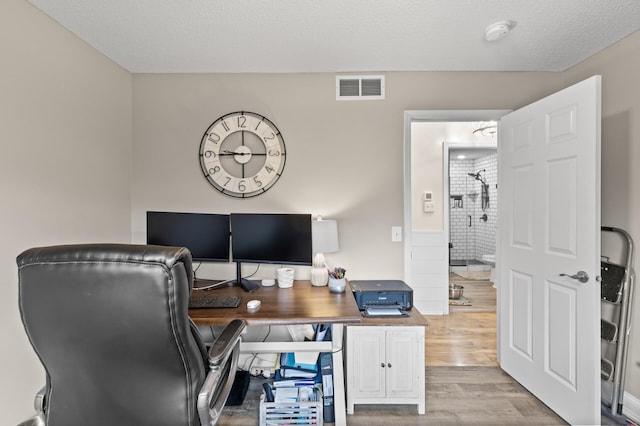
(110, 325)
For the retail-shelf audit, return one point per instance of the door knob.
(581, 276)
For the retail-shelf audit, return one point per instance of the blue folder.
(288, 362)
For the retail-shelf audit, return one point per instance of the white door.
(549, 192)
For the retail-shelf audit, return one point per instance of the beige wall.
(427, 140)
(65, 167)
(619, 66)
(344, 158)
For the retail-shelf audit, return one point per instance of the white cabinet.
(385, 365)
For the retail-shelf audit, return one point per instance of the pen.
(337, 273)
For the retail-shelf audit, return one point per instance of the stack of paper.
(298, 365)
(371, 311)
(293, 383)
(296, 394)
(286, 395)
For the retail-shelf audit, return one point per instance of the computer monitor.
(206, 235)
(270, 238)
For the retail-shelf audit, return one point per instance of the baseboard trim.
(631, 407)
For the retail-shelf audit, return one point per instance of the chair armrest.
(39, 402)
(224, 344)
(223, 361)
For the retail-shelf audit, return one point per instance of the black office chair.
(110, 325)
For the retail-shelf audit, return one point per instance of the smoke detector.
(498, 30)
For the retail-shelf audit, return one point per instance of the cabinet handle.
(382, 365)
(389, 365)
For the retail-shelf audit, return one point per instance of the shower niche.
(472, 209)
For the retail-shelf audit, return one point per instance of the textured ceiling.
(186, 36)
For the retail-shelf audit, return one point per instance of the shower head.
(477, 176)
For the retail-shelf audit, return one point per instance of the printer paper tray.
(383, 312)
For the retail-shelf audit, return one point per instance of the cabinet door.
(403, 366)
(368, 361)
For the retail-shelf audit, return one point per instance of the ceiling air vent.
(359, 87)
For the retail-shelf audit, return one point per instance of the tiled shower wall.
(486, 231)
(472, 242)
(459, 186)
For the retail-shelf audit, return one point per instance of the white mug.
(285, 277)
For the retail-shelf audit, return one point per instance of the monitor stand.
(247, 285)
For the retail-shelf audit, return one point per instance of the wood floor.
(466, 337)
(455, 396)
(464, 396)
(464, 385)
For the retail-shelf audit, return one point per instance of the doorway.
(442, 131)
(429, 172)
(428, 134)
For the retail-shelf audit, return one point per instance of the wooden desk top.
(300, 304)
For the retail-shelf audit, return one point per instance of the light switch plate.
(396, 234)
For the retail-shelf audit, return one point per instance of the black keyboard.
(215, 301)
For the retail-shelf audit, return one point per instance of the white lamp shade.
(324, 235)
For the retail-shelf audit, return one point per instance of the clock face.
(242, 154)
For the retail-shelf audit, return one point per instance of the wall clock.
(242, 154)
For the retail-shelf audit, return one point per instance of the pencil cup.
(337, 285)
(285, 277)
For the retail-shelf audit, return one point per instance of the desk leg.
(338, 375)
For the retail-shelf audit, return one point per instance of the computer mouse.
(253, 304)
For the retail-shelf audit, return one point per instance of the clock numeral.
(269, 169)
(241, 186)
(226, 126)
(274, 153)
(214, 170)
(209, 154)
(242, 120)
(271, 137)
(228, 180)
(214, 137)
(257, 182)
(257, 125)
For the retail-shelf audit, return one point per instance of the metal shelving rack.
(616, 297)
